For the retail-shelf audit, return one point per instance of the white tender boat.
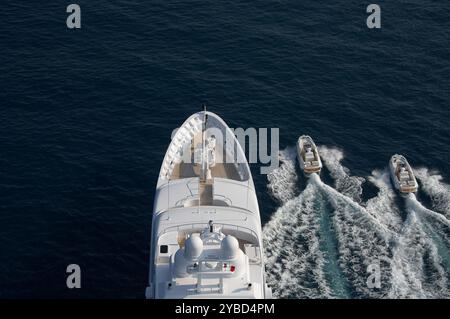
(206, 229)
(402, 175)
(308, 155)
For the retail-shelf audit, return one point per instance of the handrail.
(205, 224)
(241, 209)
(180, 202)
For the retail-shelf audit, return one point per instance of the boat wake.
(383, 206)
(407, 264)
(415, 205)
(350, 186)
(283, 180)
(405, 270)
(417, 262)
(323, 242)
(348, 190)
(294, 261)
(438, 223)
(438, 191)
(301, 262)
(362, 241)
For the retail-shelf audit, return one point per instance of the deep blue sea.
(86, 117)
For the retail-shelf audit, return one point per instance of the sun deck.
(186, 162)
(188, 170)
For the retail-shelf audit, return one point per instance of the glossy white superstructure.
(206, 229)
(308, 155)
(402, 175)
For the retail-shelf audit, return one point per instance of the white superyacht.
(206, 229)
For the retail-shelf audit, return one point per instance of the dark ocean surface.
(86, 117)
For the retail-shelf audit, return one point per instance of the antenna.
(204, 153)
(205, 116)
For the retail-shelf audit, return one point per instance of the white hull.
(308, 155)
(402, 175)
(206, 228)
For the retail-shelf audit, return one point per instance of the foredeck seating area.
(188, 146)
(222, 170)
(192, 168)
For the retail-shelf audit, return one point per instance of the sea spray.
(416, 258)
(406, 271)
(350, 186)
(412, 255)
(414, 204)
(339, 200)
(432, 184)
(283, 180)
(294, 261)
(383, 206)
(407, 261)
(362, 241)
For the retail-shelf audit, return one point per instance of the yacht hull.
(206, 228)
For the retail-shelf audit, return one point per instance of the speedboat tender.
(308, 155)
(206, 230)
(402, 175)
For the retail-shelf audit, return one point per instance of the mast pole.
(204, 153)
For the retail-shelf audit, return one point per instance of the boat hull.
(398, 167)
(314, 165)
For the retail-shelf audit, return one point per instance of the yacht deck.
(222, 170)
(190, 168)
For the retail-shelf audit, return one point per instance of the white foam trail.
(407, 261)
(416, 265)
(410, 263)
(438, 191)
(383, 206)
(415, 205)
(350, 186)
(338, 200)
(411, 244)
(290, 238)
(406, 280)
(362, 240)
(294, 261)
(283, 180)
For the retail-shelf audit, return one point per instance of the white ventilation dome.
(193, 247)
(230, 247)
